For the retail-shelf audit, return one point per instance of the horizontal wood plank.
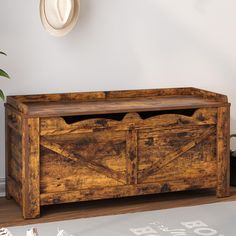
(50, 109)
(127, 190)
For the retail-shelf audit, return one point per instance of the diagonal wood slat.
(172, 156)
(88, 163)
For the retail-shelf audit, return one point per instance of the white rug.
(217, 219)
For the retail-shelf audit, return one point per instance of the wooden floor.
(10, 214)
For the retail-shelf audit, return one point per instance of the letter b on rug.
(147, 231)
(200, 228)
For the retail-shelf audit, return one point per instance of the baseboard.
(2, 187)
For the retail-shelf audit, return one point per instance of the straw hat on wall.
(59, 16)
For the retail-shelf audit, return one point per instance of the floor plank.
(10, 214)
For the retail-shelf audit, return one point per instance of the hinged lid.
(84, 103)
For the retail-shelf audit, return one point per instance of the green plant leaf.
(2, 96)
(4, 74)
(3, 53)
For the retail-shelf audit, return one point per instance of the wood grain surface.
(114, 101)
(30, 168)
(223, 143)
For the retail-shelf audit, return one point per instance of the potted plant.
(3, 74)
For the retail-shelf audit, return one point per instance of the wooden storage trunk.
(83, 146)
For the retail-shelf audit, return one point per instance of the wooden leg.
(30, 154)
(223, 152)
(8, 196)
(7, 155)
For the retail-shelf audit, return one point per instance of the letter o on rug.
(59, 16)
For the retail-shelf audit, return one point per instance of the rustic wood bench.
(83, 146)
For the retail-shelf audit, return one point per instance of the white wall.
(121, 44)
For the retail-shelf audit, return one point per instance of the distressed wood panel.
(14, 162)
(178, 170)
(15, 170)
(15, 190)
(16, 145)
(116, 106)
(201, 116)
(13, 143)
(60, 174)
(58, 126)
(131, 155)
(7, 154)
(171, 145)
(82, 161)
(223, 152)
(30, 168)
(127, 190)
(15, 101)
(157, 145)
(14, 120)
